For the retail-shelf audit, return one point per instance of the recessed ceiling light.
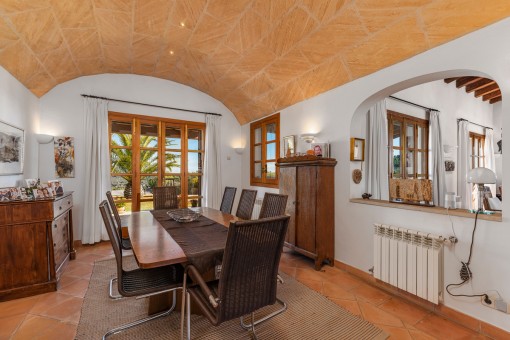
(171, 52)
(182, 24)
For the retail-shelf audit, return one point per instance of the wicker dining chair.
(228, 200)
(124, 239)
(273, 205)
(240, 290)
(246, 203)
(165, 198)
(140, 282)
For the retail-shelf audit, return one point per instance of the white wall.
(19, 107)
(62, 115)
(452, 103)
(479, 53)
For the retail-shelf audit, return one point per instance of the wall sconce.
(43, 138)
(309, 137)
(239, 151)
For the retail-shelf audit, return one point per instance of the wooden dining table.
(153, 246)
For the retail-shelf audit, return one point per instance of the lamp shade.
(43, 138)
(481, 176)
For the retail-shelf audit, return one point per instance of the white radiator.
(256, 208)
(410, 260)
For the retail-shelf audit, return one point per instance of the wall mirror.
(408, 154)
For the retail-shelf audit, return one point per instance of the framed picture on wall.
(12, 140)
(357, 149)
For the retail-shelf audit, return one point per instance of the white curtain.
(211, 187)
(97, 169)
(437, 161)
(464, 189)
(490, 161)
(377, 148)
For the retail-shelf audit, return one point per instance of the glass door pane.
(410, 136)
(270, 132)
(397, 164)
(148, 163)
(421, 138)
(173, 137)
(410, 164)
(121, 164)
(397, 133)
(194, 139)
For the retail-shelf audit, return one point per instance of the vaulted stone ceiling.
(255, 56)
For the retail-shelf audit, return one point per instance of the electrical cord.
(454, 234)
(465, 273)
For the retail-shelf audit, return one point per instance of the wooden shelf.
(497, 216)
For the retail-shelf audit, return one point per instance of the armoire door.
(306, 187)
(288, 187)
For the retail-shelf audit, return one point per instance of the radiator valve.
(453, 239)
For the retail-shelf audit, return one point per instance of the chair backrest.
(228, 200)
(246, 203)
(249, 270)
(165, 198)
(116, 215)
(113, 234)
(273, 205)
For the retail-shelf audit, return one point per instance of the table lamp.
(481, 176)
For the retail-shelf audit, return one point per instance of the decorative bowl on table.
(184, 215)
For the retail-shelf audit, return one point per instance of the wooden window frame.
(263, 181)
(481, 140)
(416, 122)
(136, 121)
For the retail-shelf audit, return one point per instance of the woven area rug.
(309, 316)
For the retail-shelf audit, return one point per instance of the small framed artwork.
(5, 194)
(31, 182)
(320, 149)
(12, 140)
(48, 191)
(15, 194)
(289, 146)
(25, 193)
(357, 149)
(57, 187)
(38, 193)
(449, 166)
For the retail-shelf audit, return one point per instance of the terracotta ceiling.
(255, 56)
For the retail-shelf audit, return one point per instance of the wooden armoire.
(309, 182)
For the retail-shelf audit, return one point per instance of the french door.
(146, 152)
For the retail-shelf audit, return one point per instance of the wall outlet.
(496, 302)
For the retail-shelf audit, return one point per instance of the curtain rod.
(414, 104)
(480, 125)
(152, 105)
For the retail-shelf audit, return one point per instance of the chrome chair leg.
(188, 319)
(110, 293)
(267, 317)
(183, 308)
(253, 335)
(144, 320)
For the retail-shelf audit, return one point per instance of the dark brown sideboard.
(309, 182)
(36, 243)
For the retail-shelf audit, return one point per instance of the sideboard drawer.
(62, 204)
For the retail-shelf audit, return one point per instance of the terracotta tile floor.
(55, 315)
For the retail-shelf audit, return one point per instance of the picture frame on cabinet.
(12, 142)
(320, 149)
(289, 146)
